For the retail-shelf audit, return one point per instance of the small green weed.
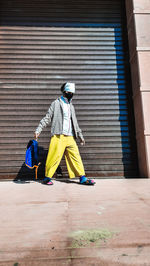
(83, 238)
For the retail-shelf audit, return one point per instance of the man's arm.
(79, 131)
(82, 141)
(46, 120)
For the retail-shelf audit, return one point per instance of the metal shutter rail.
(46, 43)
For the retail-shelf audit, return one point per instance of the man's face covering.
(68, 95)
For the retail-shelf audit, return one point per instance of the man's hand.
(36, 135)
(82, 142)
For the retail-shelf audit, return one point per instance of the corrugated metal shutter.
(46, 43)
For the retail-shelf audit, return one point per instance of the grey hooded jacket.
(54, 116)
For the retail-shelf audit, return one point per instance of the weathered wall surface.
(138, 23)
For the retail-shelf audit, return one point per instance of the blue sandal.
(86, 181)
(47, 181)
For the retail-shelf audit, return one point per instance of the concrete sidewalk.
(71, 224)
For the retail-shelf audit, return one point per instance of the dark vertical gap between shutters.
(131, 118)
(46, 43)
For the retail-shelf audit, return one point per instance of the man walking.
(64, 131)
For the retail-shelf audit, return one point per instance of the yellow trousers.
(59, 145)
